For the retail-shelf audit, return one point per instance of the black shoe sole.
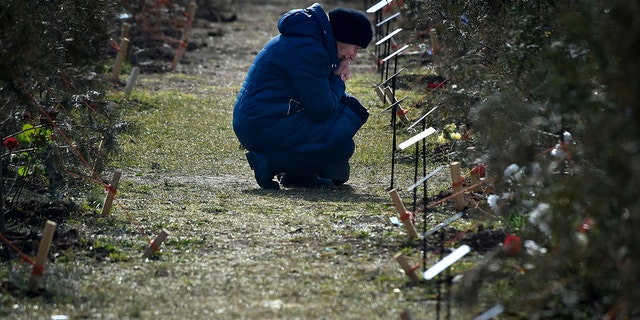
(262, 174)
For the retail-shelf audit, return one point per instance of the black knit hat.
(351, 26)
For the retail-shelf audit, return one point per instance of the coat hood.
(311, 22)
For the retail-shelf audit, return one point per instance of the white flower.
(533, 248)
(511, 170)
(538, 217)
(567, 137)
(492, 200)
(558, 152)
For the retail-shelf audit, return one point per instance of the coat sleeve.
(315, 84)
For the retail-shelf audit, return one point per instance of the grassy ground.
(234, 251)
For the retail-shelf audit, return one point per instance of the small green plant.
(516, 220)
(109, 250)
(362, 234)
(23, 161)
(94, 199)
(118, 257)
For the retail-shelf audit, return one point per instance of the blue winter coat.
(290, 99)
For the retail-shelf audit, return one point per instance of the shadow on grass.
(344, 193)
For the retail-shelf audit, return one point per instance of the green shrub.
(51, 98)
(555, 68)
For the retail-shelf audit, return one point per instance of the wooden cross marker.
(133, 76)
(402, 113)
(120, 60)
(408, 269)
(386, 96)
(112, 189)
(122, 53)
(381, 95)
(37, 272)
(405, 216)
(155, 244)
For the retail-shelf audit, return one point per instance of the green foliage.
(534, 70)
(43, 36)
(94, 199)
(516, 220)
(50, 96)
(32, 136)
(115, 255)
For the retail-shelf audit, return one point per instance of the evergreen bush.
(553, 95)
(51, 95)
